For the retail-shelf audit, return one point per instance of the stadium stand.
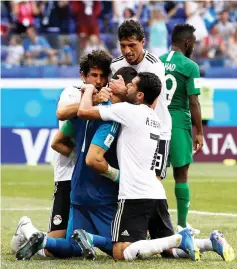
(60, 28)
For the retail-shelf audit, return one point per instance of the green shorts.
(181, 147)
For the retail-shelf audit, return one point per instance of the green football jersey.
(182, 80)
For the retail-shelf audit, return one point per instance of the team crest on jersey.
(57, 219)
(108, 141)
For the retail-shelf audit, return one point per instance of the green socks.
(183, 200)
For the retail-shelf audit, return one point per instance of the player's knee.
(57, 234)
(181, 174)
(118, 250)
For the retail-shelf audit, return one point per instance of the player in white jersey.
(95, 69)
(140, 192)
(131, 37)
(63, 167)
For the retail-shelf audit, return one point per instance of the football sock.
(202, 244)
(183, 200)
(103, 243)
(28, 229)
(61, 247)
(41, 253)
(147, 248)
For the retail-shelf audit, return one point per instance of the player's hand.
(118, 86)
(105, 94)
(88, 87)
(198, 143)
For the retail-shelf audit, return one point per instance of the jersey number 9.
(170, 92)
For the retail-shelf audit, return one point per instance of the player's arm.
(86, 109)
(68, 104)
(62, 142)
(193, 89)
(100, 144)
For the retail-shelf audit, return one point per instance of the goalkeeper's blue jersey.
(87, 186)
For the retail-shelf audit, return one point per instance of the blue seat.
(69, 72)
(49, 72)
(221, 72)
(21, 72)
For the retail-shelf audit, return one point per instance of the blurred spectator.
(226, 28)
(208, 14)
(232, 49)
(55, 20)
(6, 21)
(15, 52)
(176, 10)
(119, 7)
(129, 14)
(86, 13)
(65, 53)
(175, 14)
(220, 5)
(192, 10)
(233, 11)
(38, 50)
(212, 46)
(94, 43)
(157, 5)
(24, 12)
(158, 33)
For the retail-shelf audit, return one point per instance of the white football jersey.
(137, 148)
(153, 65)
(63, 166)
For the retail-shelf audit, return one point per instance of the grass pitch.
(28, 191)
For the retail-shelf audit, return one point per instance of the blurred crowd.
(36, 33)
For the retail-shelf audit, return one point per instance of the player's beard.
(189, 52)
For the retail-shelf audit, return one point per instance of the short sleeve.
(106, 134)
(193, 83)
(121, 113)
(68, 129)
(69, 96)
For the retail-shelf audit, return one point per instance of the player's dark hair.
(150, 85)
(131, 28)
(128, 74)
(181, 32)
(97, 58)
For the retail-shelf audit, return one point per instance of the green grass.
(213, 189)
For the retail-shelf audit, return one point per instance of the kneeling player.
(96, 214)
(134, 216)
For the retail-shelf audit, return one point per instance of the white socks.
(147, 248)
(28, 229)
(41, 253)
(202, 244)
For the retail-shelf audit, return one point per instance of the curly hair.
(97, 58)
(150, 85)
(181, 32)
(131, 28)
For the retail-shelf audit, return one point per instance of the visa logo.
(34, 149)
